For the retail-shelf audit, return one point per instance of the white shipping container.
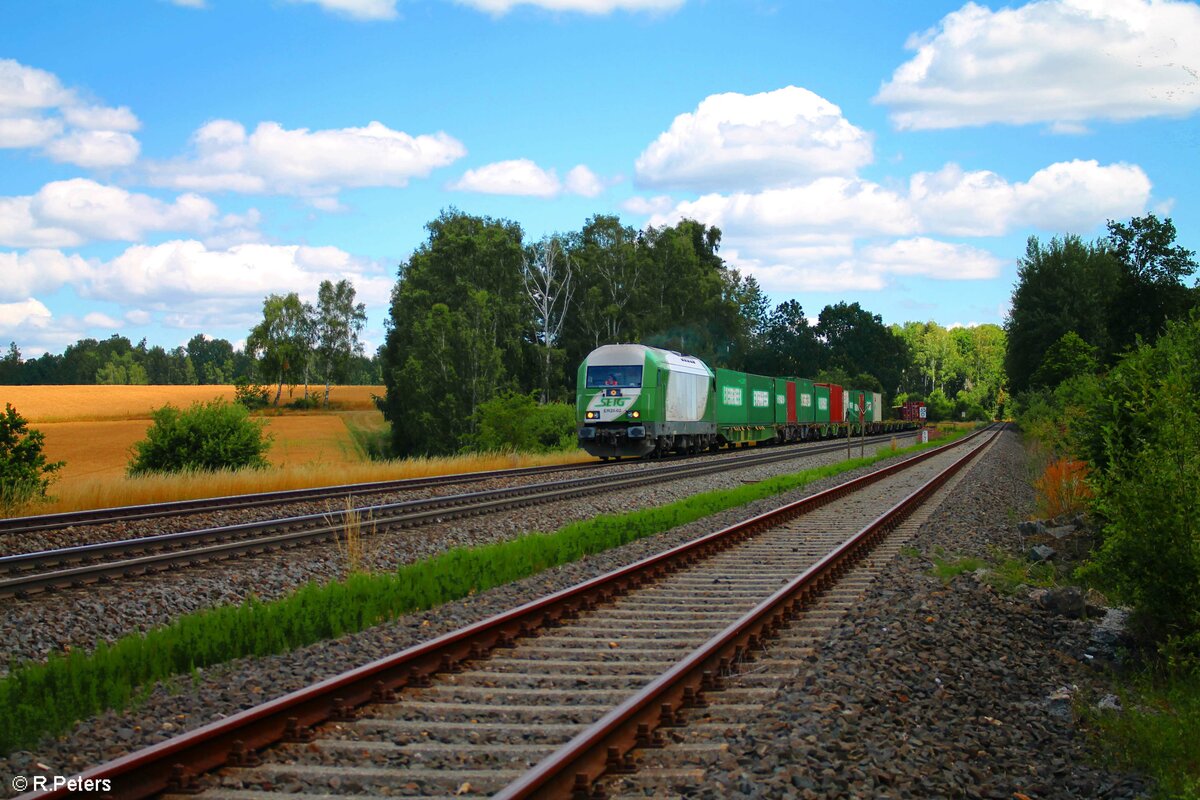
(687, 396)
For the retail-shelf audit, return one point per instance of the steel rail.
(233, 741)
(605, 746)
(28, 571)
(102, 516)
(133, 513)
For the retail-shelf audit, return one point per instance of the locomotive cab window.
(629, 377)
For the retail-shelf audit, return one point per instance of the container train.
(634, 401)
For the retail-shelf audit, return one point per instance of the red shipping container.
(837, 404)
(791, 402)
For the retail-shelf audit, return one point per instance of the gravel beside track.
(924, 690)
(861, 721)
(78, 618)
(188, 702)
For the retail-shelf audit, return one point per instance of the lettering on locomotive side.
(762, 399)
(613, 402)
(731, 396)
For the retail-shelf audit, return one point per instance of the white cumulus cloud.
(1071, 195)
(1055, 61)
(849, 205)
(95, 149)
(38, 271)
(523, 177)
(275, 160)
(807, 237)
(367, 10)
(28, 313)
(735, 141)
(583, 182)
(518, 176)
(36, 110)
(73, 212)
(196, 285)
(930, 258)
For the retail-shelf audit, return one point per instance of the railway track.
(25, 574)
(555, 697)
(106, 516)
(11, 526)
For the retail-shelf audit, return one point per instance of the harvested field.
(83, 403)
(101, 447)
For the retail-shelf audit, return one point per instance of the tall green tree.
(1064, 285)
(858, 341)
(788, 344)
(211, 358)
(610, 264)
(339, 321)
(471, 266)
(1066, 358)
(10, 366)
(122, 370)
(279, 341)
(1151, 288)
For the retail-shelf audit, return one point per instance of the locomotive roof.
(611, 355)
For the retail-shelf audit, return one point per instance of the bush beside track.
(39, 699)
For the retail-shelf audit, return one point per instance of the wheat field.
(83, 403)
(93, 429)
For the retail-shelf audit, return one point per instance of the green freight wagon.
(633, 400)
(806, 408)
(745, 407)
(821, 399)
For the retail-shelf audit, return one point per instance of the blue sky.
(165, 164)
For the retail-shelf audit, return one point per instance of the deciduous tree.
(339, 321)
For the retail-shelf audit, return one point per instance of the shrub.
(208, 436)
(514, 421)
(1145, 448)
(1063, 488)
(251, 395)
(305, 403)
(25, 474)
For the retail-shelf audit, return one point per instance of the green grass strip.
(38, 699)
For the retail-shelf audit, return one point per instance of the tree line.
(294, 342)
(478, 313)
(1079, 306)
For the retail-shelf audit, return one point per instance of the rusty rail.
(172, 765)
(605, 747)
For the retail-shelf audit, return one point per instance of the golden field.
(92, 429)
(80, 403)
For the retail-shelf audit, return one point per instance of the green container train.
(633, 401)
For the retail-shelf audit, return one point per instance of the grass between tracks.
(39, 699)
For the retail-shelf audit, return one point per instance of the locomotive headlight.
(593, 415)
(635, 414)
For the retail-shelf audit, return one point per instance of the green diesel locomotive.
(633, 401)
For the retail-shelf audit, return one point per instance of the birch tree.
(338, 322)
(547, 272)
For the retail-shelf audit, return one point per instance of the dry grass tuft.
(351, 541)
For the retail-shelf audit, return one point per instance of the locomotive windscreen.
(627, 377)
